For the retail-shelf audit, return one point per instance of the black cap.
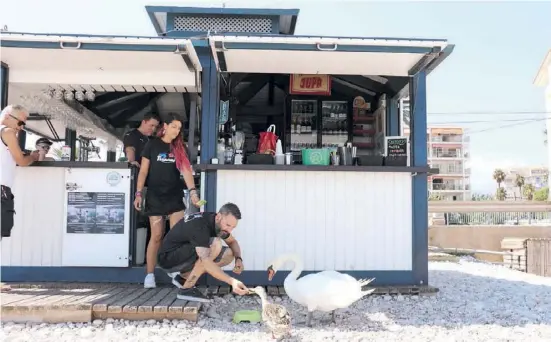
(43, 141)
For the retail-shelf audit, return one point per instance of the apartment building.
(536, 175)
(447, 150)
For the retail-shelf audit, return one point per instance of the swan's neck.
(297, 269)
(264, 299)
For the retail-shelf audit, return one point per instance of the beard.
(221, 233)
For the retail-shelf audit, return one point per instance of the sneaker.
(178, 281)
(149, 281)
(192, 295)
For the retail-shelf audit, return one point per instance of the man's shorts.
(183, 259)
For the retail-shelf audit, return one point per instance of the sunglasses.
(19, 122)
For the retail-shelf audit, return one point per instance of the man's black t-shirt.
(163, 177)
(137, 140)
(194, 229)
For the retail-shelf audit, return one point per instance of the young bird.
(275, 316)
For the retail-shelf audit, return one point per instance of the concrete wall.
(482, 237)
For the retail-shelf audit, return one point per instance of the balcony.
(449, 187)
(447, 139)
(443, 154)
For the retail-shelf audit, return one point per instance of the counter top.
(333, 168)
(81, 165)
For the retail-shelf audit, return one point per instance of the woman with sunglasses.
(164, 160)
(12, 121)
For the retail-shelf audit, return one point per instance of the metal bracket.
(62, 45)
(414, 174)
(334, 48)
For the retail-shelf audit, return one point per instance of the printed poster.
(95, 213)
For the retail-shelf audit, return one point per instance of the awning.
(317, 55)
(101, 63)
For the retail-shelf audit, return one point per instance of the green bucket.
(315, 156)
(247, 316)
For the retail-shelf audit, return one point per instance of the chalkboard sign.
(396, 146)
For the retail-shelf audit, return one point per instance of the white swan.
(325, 291)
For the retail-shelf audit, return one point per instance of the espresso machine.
(238, 141)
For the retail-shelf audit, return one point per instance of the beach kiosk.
(231, 69)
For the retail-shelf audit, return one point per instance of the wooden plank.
(24, 303)
(132, 306)
(21, 295)
(191, 311)
(88, 301)
(177, 306)
(163, 305)
(281, 290)
(120, 303)
(273, 291)
(212, 290)
(104, 303)
(150, 304)
(77, 297)
(223, 290)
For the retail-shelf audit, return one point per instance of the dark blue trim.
(442, 56)
(170, 25)
(4, 85)
(392, 117)
(418, 126)
(314, 47)
(449, 47)
(225, 11)
(132, 275)
(209, 121)
(382, 278)
(91, 46)
(135, 275)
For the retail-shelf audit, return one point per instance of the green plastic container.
(315, 156)
(247, 316)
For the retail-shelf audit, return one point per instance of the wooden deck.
(60, 303)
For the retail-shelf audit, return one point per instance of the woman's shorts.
(163, 205)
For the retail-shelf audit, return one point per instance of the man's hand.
(135, 163)
(238, 266)
(239, 288)
(35, 155)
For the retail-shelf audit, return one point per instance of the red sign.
(303, 84)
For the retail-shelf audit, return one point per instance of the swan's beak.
(271, 273)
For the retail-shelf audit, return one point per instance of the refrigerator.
(315, 123)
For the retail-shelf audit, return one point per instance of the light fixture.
(58, 94)
(90, 95)
(79, 95)
(69, 96)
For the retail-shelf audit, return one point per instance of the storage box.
(315, 156)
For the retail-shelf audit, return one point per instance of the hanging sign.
(303, 84)
(396, 146)
(224, 112)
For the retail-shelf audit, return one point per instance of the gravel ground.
(476, 302)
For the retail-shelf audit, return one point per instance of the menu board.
(95, 212)
(396, 146)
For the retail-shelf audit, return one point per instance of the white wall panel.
(36, 238)
(335, 220)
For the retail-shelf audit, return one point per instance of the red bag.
(267, 141)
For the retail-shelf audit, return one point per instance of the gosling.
(275, 316)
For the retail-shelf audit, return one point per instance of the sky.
(500, 46)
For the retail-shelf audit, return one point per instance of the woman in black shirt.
(164, 159)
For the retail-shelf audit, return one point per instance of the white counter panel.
(36, 238)
(335, 220)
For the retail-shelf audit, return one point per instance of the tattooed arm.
(211, 267)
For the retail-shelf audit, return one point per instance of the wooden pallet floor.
(61, 302)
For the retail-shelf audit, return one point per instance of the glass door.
(304, 124)
(334, 123)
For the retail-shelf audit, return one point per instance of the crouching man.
(193, 246)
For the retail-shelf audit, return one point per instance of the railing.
(436, 154)
(490, 213)
(452, 187)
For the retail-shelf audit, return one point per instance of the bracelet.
(192, 189)
(238, 258)
(138, 194)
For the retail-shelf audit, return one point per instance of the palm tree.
(499, 177)
(529, 191)
(519, 182)
(501, 194)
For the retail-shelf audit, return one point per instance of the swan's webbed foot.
(309, 319)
